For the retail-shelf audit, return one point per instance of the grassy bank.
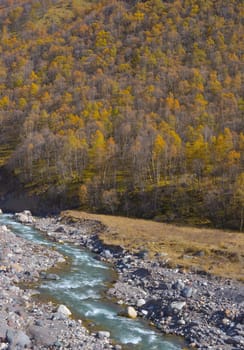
(214, 251)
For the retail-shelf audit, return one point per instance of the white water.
(82, 289)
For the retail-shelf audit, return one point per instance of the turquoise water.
(82, 289)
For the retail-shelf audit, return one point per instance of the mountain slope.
(126, 107)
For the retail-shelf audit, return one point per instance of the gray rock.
(181, 322)
(42, 336)
(187, 292)
(178, 285)
(140, 302)
(107, 254)
(51, 276)
(103, 334)
(3, 330)
(117, 347)
(17, 339)
(177, 305)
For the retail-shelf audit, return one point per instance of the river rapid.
(82, 288)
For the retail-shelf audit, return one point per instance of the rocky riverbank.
(206, 310)
(26, 323)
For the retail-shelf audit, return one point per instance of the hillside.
(125, 107)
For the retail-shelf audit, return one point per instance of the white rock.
(25, 217)
(144, 312)
(131, 312)
(1, 211)
(103, 334)
(226, 321)
(181, 322)
(27, 212)
(140, 302)
(177, 305)
(62, 309)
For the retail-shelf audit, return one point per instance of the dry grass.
(223, 252)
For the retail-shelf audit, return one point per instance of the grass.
(214, 251)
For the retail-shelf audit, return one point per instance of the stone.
(16, 267)
(25, 217)
(42, 335)
(226, 321)
(142, 273)
(144, 312)
(142, 254)
(200, 253)
(17, 339)
(177, 305)
(117, 347)
(131, 312)
(27, 212)
(107, 254)
(63, 310)
(52, 276)
(1, 211)
(3, 330)
(103, 334)
(140, 302)
(181, 322)
(187, 292)
(178, 285)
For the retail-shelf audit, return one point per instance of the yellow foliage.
(4, 102)
(159, 146)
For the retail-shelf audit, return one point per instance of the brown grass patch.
(215, 251)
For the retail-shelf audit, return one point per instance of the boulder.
(24, 217)
(131, 312)
(64, 311)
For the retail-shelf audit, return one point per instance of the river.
(82, 288)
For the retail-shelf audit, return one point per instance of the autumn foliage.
(126, 107)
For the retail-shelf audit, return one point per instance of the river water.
(82, 289)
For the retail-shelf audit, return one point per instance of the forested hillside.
(129, 107)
